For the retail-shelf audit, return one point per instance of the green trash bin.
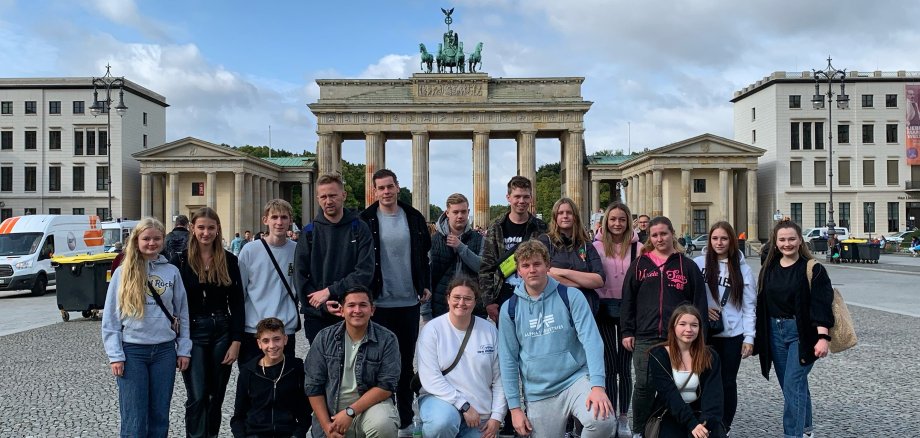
(82, 282)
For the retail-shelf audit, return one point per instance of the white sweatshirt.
(737, 321)
(475, 379)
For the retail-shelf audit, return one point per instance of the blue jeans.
(792, 377)
(441, 419)
(145, 389)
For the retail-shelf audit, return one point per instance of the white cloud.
(126, 13)
(391, 67)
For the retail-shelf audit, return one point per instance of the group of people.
(536, 327)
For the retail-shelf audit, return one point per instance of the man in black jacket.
(455, 249)
(402, 278)
(177, 239)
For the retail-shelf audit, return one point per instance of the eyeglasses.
(457, 299)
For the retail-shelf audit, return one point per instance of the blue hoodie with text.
(548, 345)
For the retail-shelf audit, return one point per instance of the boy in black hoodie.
(270, 401)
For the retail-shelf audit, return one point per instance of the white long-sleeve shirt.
(737, 320)
(476, 377)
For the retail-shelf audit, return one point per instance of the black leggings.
(617, 363)
(729, 351)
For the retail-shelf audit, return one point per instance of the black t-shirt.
(513, 233)
(781, 286)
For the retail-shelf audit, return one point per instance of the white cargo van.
(811, 233)
(116, 231)
(27, 244)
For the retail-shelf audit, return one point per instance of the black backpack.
(175, 244)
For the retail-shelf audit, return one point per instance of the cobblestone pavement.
(55, 382)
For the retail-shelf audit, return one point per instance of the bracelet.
(825, 337)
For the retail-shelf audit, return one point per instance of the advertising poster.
(912, 91)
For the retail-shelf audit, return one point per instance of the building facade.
(54, 152)
(876, 190)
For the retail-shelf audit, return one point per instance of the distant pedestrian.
(914, 246)
(177, 239)
(236, 244)
(642, 224)
(145, 331)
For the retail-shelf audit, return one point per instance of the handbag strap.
(671, 373)
(156, 297)
(810, 270)
(287, 286)
(466, 338)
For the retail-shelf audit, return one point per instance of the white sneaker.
(405, 432)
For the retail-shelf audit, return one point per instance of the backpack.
(175, 244)
(563, 291)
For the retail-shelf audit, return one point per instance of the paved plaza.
(55, 380)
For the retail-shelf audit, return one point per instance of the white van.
(27, 244)
(811, 233)
(116, 231)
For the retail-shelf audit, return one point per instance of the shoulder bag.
(285, 282)
(416, 383)
(718, 326)
(653, 425)
(174, 321)
(843, 333)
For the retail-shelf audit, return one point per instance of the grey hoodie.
(154, 327)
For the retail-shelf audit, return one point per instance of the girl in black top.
(687, 379)
(793, 319)
(211, 277)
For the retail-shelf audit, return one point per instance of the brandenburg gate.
(473, 106)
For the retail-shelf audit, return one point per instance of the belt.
(215, 314)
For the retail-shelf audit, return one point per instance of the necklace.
(274, 381)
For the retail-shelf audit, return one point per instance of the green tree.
(262, 151)
(496, 210)
(405, 196)
(547, 188)
(354, 175)
(434, 212)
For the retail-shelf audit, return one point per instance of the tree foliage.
(262, 151)
(353, 174)
(548, 188)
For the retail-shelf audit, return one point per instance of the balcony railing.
(911, 185)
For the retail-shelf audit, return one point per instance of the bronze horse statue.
(476, 58)
(427, 59)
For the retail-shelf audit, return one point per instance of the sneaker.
(809, 435)
(637, 435)
(623, 430)
(405, 432)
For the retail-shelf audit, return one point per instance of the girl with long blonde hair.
(146, 336)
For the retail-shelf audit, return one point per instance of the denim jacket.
(376, 364)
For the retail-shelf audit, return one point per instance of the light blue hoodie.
(544, 347)
(154, 327)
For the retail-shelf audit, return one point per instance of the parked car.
(899, 236)
(843, 233)
(697, 243)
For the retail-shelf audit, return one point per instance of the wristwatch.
(465, 407)
(350, 412)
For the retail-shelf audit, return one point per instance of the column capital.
(528, 131)
(239, 172)
(481, 132)
(577, 131)
(414, 133)
(211, 172)
(685, 169)
(367, 133)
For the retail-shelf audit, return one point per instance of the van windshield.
(19, 243)
(110, 236)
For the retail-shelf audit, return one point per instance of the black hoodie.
(334, 255)
(266, 408)
(651, 294)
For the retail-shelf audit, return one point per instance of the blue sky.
(666, 69)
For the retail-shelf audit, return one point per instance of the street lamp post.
(108, 83)
(829, 75)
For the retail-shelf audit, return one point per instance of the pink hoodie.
(614, 270)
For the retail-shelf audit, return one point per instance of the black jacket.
(650, 295)
(204, 299)
(493, 254)
(175, 242)
(682, 417)
(446, 261)
(420, 245)
(264, 409)
(813, 309)
(334, 255)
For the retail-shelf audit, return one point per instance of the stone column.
(211, 189)
(256, 204)
(527, 159)
(276, 189)
(420, 172)
(173, 197)
(146, 201)
(595, 196)
(642, 194)
(574, 166)
(723, 194)
(328, 152)
(306, 204)
(375, 160)
(685, 200)
(481, 179)
(239, 184)
(752, 218)
(657, 196)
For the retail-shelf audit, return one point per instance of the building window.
(868, 217)
(868, 172)
(31, 141)
(54, 178)
(6, 107)
(5, 213)
(145, 140)
(700, 221)
(54, 107)
(78, 178)
(795, 212)
(54, 140)
(794, 135)
(103, 213)
(28, 211)
(52, 210)
(699, 185)
(867, 101)
(753, 114)
(197, 189)
(90, 142)
(891, 101)
(795, 173)
(893, 172)
(78, 107)
(893, 208)
(891, 133)
(843, 172)
(753, 136)
(145, 119)
(6, 140)
(102, 177)
(820, 214)
(77, 142)
(30, 179)
(31, 107)
(806, 135)
(795, 101)
(868, 132)
(78, 210)
(843, 134)
(103, 143)
(819, 135)
(6, 179)
(820, 173)
(103, 107)
(845, 214)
